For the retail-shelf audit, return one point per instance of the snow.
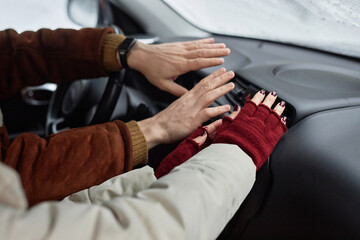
(23, 15)
(331, 25)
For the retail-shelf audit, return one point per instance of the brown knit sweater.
(75, 159)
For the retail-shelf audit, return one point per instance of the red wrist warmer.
(256, 130)
(185, 150)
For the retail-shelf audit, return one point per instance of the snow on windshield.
(330, 25)
(23, 15)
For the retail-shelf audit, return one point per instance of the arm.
(33, 58)
(171, 208)
(70, 161)
(73, 160)
(64, 163)
(70, 54)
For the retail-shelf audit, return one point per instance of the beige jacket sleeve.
(194, 201)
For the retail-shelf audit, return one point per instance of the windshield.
(23, 15)
(330, 25)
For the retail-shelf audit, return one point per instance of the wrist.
(123, 51)
(152, 131)
(136, 56)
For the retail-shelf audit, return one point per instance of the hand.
(198, 140)
(201, 137)
(187, 148)
(161, 64)
(182, 117)
(256, 129)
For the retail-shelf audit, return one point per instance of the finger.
(280, 107)
(222, 79)
(212, 127)
(205, 46)
(259, 97)
(201, 139)
(270, 99)
(212, 136)
(205, 82)
(209, 97)
(227, 120)
(262, 112)
(210, 83)
(235, 112)
(200, 41)
(281, 127)
(198, 63)
(211, 112)
(274, 118)
(173, 88)
(208, 53)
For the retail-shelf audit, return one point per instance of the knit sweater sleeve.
(33, 58)
(64, 163)
(110, 44)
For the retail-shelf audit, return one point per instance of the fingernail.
(284, 118)
(274, 93)
(231, 85)
(230, 73)
(204, 133)
(262, 91)
(236, 108)
(282, 103)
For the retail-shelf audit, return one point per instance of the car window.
(23, 15)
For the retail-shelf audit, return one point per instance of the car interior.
(309, 188)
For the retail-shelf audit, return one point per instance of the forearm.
(124, 185)
(206, 190)
(33, 58)
(195, 201)
(70, 161)
(153, 133)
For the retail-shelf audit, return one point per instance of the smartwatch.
(124, 49)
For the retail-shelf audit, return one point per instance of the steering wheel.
(81, 98)
(64, 111)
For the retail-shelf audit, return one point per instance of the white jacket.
(194, 201)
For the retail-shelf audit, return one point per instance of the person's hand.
(198, 140)
(184, 115)
(161, 64)
(256, 129)
(203, 136)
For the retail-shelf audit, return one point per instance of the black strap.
(124, 49)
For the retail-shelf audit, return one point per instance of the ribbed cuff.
(140, 150)
(110, 44)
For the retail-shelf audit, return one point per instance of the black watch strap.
(124, 49)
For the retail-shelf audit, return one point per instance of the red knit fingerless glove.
(185, 150)
(256, 130)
